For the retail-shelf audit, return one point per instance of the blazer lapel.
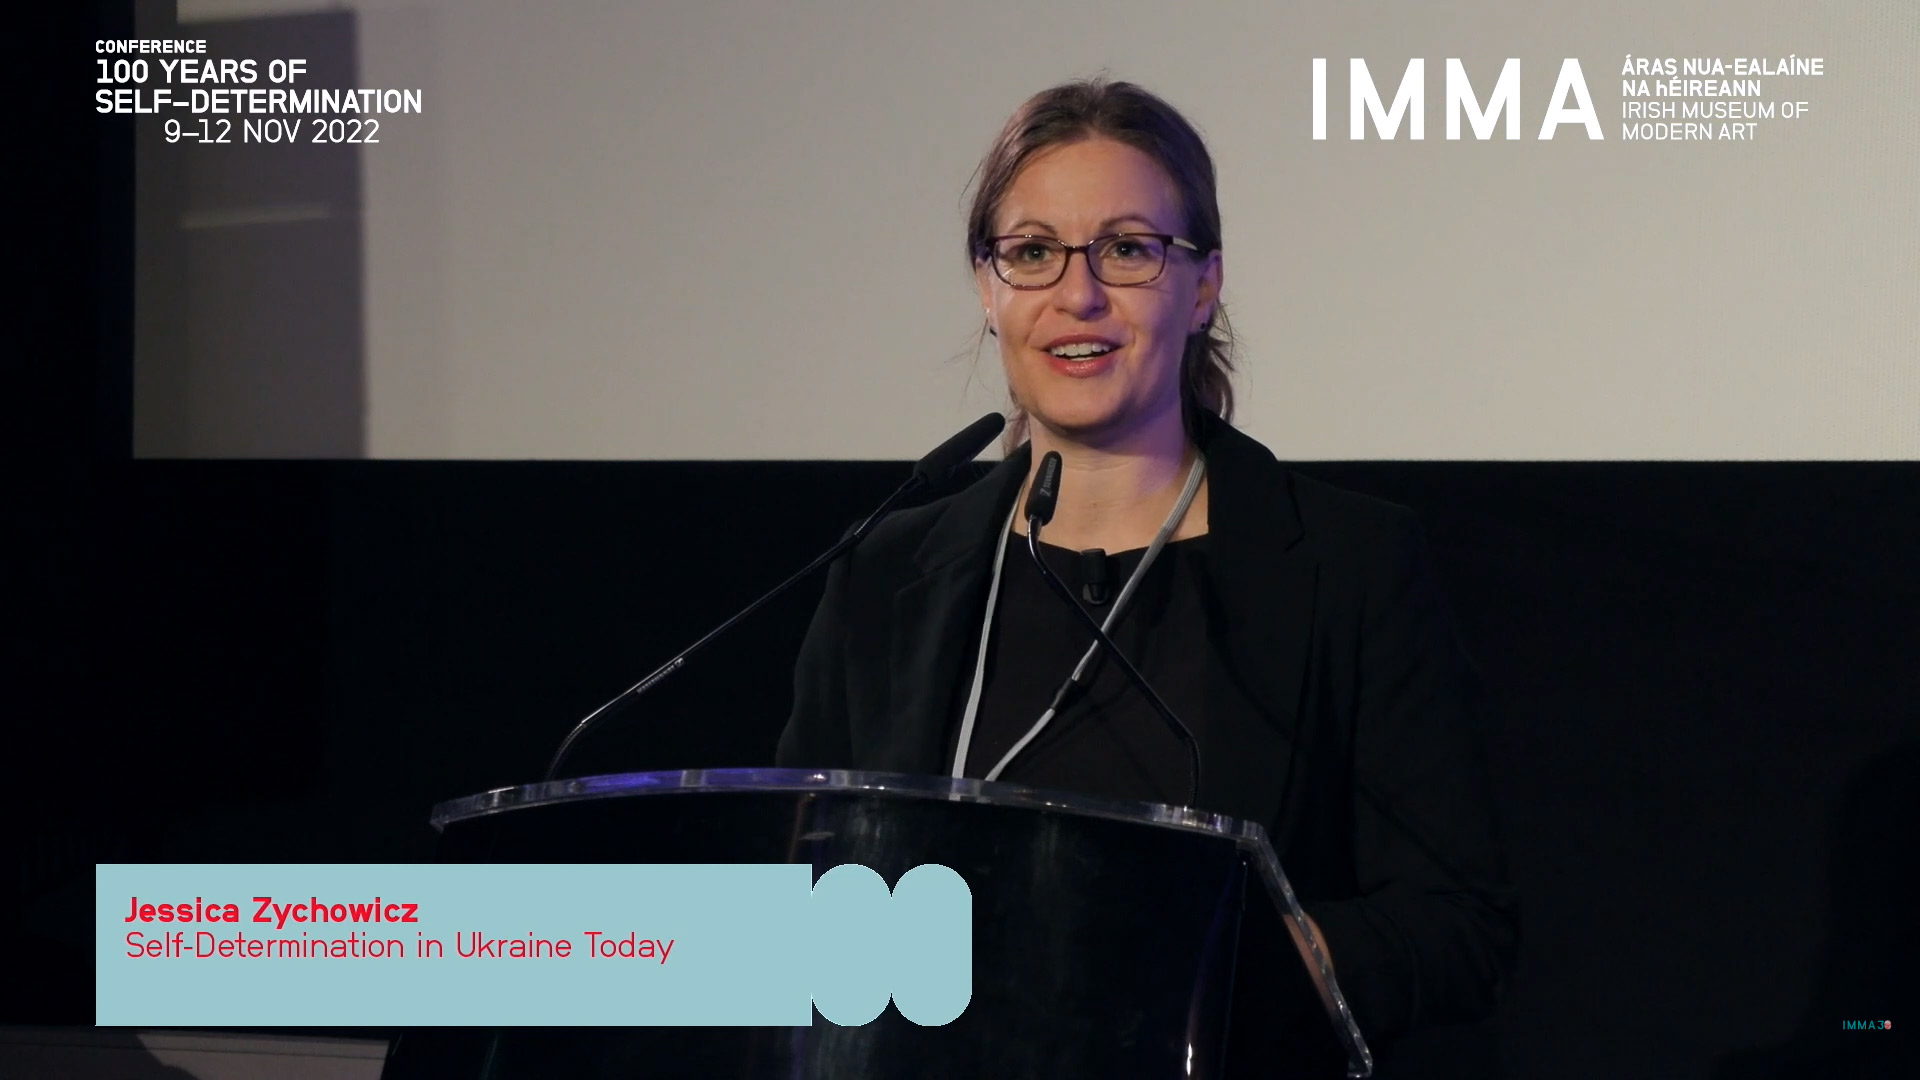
(1265, 586)
(936, 615)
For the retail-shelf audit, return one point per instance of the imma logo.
(1866, 1025)
(1409, 102)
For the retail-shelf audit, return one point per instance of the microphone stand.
(1133, 674)
(937, 465)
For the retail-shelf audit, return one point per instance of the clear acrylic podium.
(1110, 939)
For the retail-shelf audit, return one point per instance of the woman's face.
(1074, 193)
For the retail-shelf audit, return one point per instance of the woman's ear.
(983, 280)
(1207, 294)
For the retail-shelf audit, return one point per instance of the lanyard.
(1113, 616)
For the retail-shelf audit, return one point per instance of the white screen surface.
(619, 230)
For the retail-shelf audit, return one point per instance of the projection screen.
(732, 229)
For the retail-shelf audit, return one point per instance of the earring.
(991, 330)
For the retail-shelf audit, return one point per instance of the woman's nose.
(1078, 292)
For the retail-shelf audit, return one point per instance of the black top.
(1106, 740)
(1336, 707)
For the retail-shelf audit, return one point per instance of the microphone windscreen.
(957, 451)
(1045, 490)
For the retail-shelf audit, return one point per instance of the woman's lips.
(1083, 367)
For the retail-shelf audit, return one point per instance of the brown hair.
(1127, 114)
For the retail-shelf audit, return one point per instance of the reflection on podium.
(1108, 939)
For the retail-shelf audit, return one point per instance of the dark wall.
(1709, 678)
(249, 316)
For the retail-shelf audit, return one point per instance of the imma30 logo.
(1866, 1025)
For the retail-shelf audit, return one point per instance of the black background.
(1708, 673)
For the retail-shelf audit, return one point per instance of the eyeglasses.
(1039, 262)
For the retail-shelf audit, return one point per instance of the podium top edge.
(841, 781)
(1249, 837)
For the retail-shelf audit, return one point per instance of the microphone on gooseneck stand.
(939, 464)
(1093, 576)
(1041, 499)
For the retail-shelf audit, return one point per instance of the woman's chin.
(1082, 423)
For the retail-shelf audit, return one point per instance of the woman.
(1293, 626)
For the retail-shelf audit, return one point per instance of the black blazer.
(1368, 767)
